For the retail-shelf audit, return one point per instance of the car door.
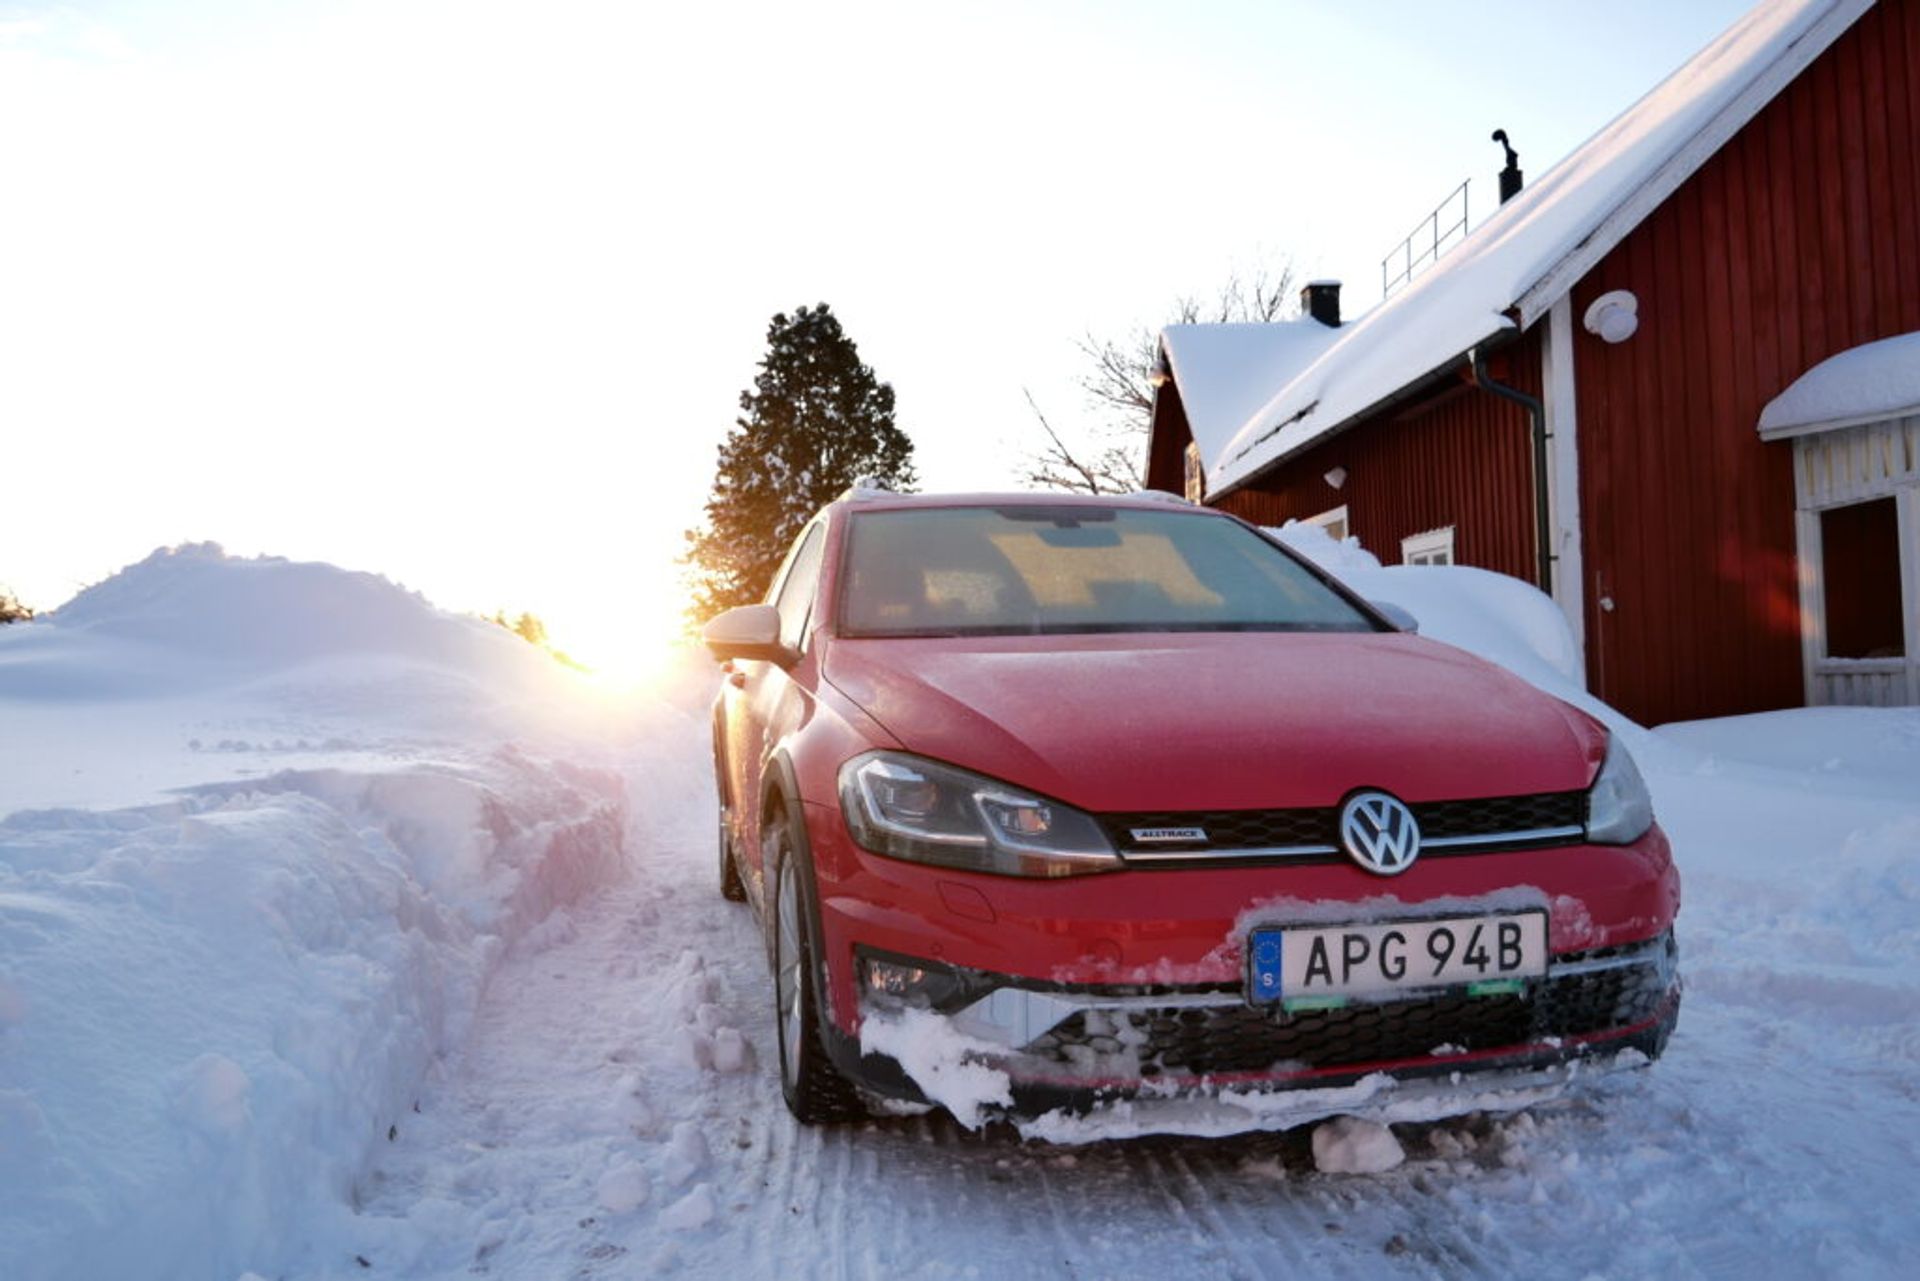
(764, 702)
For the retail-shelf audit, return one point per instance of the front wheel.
(813, 1087)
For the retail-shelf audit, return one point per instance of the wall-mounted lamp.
(1336, 478)
(1613, 316)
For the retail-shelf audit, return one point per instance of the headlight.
(1619, 811)
(915, 809)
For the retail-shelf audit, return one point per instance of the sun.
(627, 629)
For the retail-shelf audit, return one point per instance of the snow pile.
(216, 1005)
(1876, 381)
(1497, 617)
(192, 617)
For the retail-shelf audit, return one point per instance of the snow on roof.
(1226, 372)
(1536, 246)
(1866, 384)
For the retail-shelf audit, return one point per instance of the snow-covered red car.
(1132, 799)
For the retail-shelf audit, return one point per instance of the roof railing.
(1431, 238)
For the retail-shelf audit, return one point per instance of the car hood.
(1193, 721)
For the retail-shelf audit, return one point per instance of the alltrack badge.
(1166, 835)
(1379, 833)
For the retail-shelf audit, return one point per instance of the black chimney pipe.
(1510, 177)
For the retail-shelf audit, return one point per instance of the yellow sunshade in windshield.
(1066, 576)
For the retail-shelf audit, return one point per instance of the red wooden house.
(1620, 386)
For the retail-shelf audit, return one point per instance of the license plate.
(1303, 967)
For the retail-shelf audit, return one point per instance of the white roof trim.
(1531, 251)
(1730, 120)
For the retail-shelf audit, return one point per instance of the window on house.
(1334, 521)
(1860, 568)
(1435, 547)
(1196, 490)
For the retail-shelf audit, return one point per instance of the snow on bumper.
(999, 1048)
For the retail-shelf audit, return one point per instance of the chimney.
(1510, 177)
(1321, 300)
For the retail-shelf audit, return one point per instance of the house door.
(1858, 497)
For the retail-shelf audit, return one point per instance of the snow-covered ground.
(376, 945)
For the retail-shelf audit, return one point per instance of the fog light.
(890, 978)
(904, 980)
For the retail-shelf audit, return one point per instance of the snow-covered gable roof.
(1869, 383)
(1528, 254)
(1227, 372)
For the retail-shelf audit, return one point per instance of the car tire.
(813, 1087)
(732, 888)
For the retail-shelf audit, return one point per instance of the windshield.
(981, 571)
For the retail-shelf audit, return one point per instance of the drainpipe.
(1543, 541)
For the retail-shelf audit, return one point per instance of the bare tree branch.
(1058, 467)
(1117, 380)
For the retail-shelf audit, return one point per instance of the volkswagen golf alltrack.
(1144, 804)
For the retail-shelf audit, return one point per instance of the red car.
(1141, 802)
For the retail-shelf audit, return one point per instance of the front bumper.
(1132, 983)
(1075, 1047)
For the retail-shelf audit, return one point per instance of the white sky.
(465, 293)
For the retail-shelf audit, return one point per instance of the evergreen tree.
(815, 421)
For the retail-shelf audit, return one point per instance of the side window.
(1333, 520)
(1435, 547)
(795, 602)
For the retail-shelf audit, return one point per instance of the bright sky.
(465, 293)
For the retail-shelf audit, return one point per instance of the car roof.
(1144, 500)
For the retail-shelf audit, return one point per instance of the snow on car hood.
(1187, 721)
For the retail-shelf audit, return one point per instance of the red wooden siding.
(1799, 239)
(1462, 458)
(1167, 445)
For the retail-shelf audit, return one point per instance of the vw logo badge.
(1379, 832)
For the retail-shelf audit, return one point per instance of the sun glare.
(626, 636)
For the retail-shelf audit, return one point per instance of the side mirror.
(748, 631)
(1399, 617)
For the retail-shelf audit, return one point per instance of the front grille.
(1231, 829)
(1486, 821)
(1204, 1040)
(1442, 820)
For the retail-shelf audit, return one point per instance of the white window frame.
(1330, 520)
(1435, 547)
(1838, 468)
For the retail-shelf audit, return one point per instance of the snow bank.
(1493, 615)
(215, 1005)
(190, 617)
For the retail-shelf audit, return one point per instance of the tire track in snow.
(1213, 1209)
(509, 1156)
